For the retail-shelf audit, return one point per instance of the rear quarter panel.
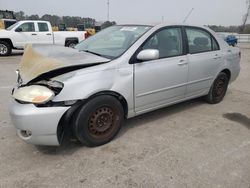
(230, 56)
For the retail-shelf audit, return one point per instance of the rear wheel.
(218, 89)
(5, 48)
(71, 44)
(98, 121)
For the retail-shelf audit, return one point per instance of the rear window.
(43, 27)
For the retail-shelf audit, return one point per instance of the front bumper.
(41, 123)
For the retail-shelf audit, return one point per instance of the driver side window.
(167, 41)
(27, 27)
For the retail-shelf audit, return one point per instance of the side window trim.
(133, 59)
(212, 38)
(216, 42)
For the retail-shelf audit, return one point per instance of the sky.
(206, 12)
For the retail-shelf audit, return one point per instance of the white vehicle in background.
(36, 32)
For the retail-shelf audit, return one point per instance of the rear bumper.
(41, 123)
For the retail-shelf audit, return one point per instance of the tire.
(5, 48)
(71, 44)
(218, 90)
(98, 121)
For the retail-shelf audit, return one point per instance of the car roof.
(6, 19)
(33, 21)
(162, 24)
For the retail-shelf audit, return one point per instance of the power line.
(108, 11)
(245, 17)
(190, 12)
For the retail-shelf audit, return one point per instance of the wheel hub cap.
(219, 87)
(3, 49)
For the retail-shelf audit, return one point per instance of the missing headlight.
(53, 85)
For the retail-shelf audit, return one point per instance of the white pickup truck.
(36, 32)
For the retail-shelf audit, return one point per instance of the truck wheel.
(71, 44)
(98, 121)
(218, 89)
(5, 48)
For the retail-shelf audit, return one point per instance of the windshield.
(113, 41)
(12, 26)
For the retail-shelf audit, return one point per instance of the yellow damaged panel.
(2, 26)
(33, 64)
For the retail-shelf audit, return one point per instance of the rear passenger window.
(198, 41)
(43, 27)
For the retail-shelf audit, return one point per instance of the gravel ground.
(192, 144)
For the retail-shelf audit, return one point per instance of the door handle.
(48, 34)
(217, 57)
(33, 34)
(182, 62)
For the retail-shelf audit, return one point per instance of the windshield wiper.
(91, 52)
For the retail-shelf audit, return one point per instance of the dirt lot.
(192, 144)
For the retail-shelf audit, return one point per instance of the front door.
(162, 81)
(25, 34)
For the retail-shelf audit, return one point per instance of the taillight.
(86, 35)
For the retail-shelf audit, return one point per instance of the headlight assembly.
(34, 94)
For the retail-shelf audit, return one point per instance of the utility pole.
(162, 19)
(108, 11)
(245, 17)
(190, 12)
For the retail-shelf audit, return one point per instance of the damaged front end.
(39, 65)
(38, 117)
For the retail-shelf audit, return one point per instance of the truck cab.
(35, 32)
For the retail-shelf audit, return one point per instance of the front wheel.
(98, 121)
(5, 48)
(218, 89)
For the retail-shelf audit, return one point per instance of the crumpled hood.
(41, 60)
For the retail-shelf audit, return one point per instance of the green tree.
(33, 17)
(20, 15)
(107, 24)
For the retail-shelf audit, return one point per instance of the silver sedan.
(121, 72)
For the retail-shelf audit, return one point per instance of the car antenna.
(190, 12)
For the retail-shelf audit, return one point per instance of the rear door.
(45, 35)
(204, 60)
(162, 81)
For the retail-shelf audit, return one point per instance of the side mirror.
(19, 29)
(149, 54)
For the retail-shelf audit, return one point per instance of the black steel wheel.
(218, 90)
(98, 121)
(71, 44)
